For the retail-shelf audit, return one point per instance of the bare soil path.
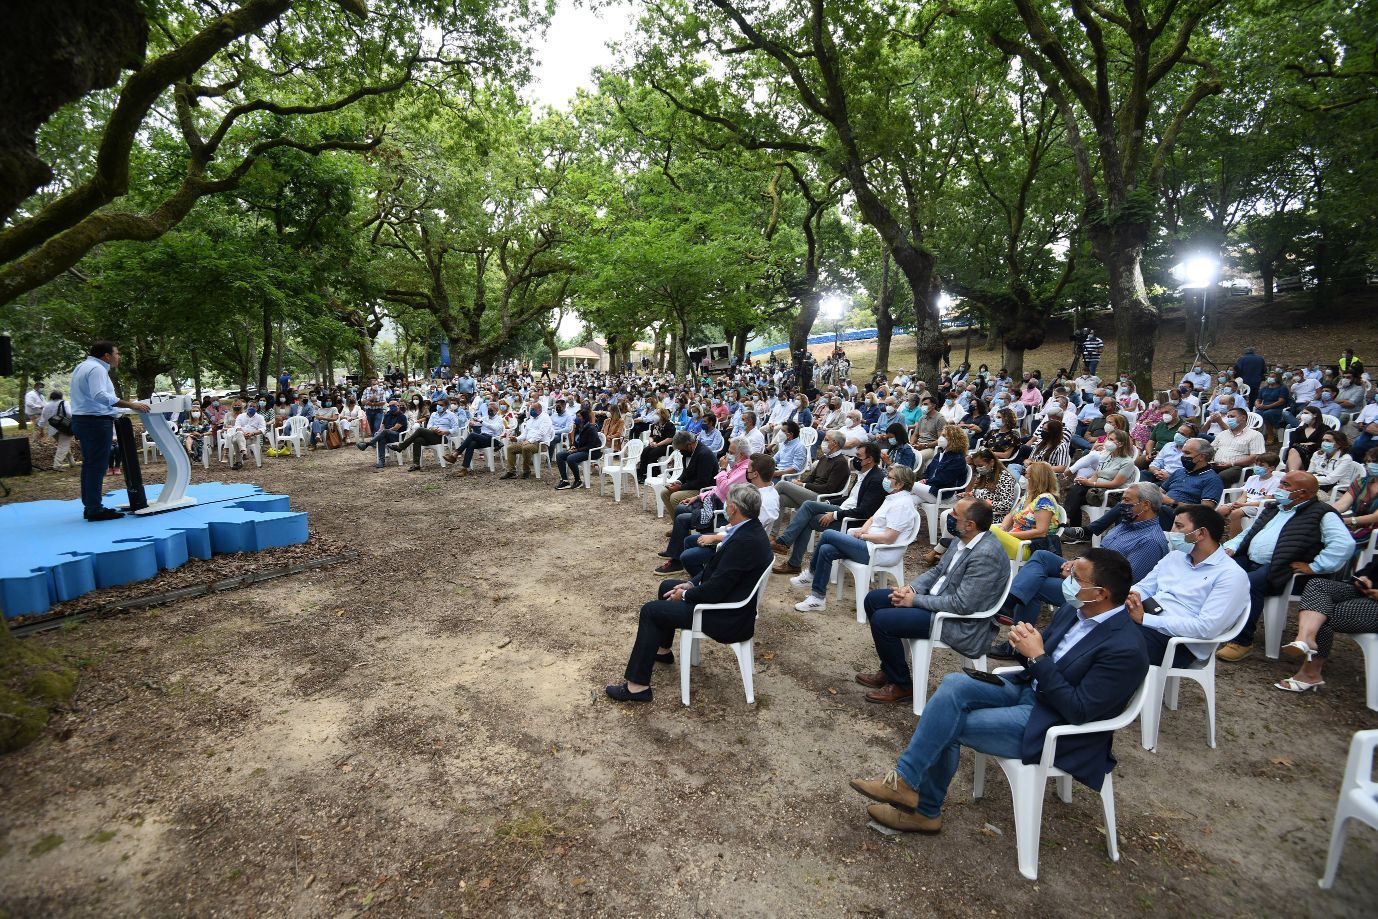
(423, 733)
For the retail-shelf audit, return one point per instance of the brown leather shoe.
(779, 548)
(1233, 651)
(890, 692)
(904, 821)
(892, 789)
(872, 680)
(785, 568)
(932, 558)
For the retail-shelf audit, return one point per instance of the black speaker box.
(14, 456)
(6, 357)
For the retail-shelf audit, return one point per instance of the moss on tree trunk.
(33, 680)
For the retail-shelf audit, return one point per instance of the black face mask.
(856, 464)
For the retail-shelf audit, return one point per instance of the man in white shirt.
(33, 405)
(535, 435)
(754, 438)
(248, 428)
(853, 433)
(951, 411)
(57, 407)
(1237, 447)
(1086, 383)
(1200, 590)
(350, 416)
(441, 424)
(94, 409)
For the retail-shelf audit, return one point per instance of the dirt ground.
(423, 732)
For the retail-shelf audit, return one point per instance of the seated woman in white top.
(895, 518)
(1331, 464)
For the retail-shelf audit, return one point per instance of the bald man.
(1295, 534)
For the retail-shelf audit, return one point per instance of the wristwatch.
(1034, 660)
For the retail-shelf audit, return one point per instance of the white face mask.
(942, 442)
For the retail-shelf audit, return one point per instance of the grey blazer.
(976, 579)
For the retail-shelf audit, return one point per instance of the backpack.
(61, 421)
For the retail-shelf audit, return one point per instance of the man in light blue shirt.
(94, 405)
(1296, 536)
(792, 456)
(561, 422)
(440, 425)
(1201, 591)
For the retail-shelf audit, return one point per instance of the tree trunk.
(885, 320)
(1265, 270)
(739, 344)
(279, 351)
(196, 373)
(1136, 319)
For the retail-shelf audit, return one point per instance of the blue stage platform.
(49, 554)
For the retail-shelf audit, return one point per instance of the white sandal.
(1292, 684)
(1301, 648)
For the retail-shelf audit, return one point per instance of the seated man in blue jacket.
(1084, 667)
(730, 576)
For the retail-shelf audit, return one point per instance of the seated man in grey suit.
(969, 578)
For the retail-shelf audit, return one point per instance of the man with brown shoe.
(971, 577)
(1084, 667)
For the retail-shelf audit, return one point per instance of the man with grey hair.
(1136, 534)
(736, 465)
(730, 576)
(754, 438)
(827, 476)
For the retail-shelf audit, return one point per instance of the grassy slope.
(1283, 332)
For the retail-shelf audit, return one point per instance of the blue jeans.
(94, 433)
(685, 518)
(1039, 581)
(568, 460)
(381, 440)
(964, 712)
(795, 535)
(832, 546)
(375, 418)
(476, 440)
(889, 625)
(1258, 592)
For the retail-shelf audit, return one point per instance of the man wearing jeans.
(865, 499)
(1084, 667)
(94, 405)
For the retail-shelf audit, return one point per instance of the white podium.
(174, 492)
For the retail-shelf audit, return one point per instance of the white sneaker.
(802, 579)
(811, 604)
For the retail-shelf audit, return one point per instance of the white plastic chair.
(618, 465)
(921, 649)
(1095, 512)
(1165, 681)
(297, 432)
(946, 498)
(1368, 644)
(586, 467)
(690, 638)
(1358, 799)
(439, 449)
(1255, 421)
(1275, 618)
(656, 483)
(1029, 783)
(891, 563)
(1367, 552)
(222, 446)
(150, 449)
(809, 438)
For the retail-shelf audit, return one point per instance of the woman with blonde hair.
(947, 468)
(1038, 519)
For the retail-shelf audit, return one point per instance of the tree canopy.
(234, 186)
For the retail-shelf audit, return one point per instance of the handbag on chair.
(333, 440)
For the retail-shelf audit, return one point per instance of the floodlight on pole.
(1197, 272)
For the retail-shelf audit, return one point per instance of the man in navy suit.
(729, 577)
(1084, 667)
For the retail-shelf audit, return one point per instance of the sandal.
(1299, 649)
(1292, 684)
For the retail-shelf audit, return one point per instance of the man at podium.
(94, 410)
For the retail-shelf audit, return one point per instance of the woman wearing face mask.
(1332, 465)
(977, 420)
(1037, 520)
(1359, 503)
(895, 443)
(1002, 437)
(1258, 488)
(661, 437)
(195, 433)
(1116, 470)
(1303, 441)
(992, 482)
(947, 468)
(896, 517)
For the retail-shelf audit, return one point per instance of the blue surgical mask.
(1179, 439)
(1372, 468)
(1283, 499)
(888, 485)
(1260, 470)
(1328, 447)
(1228, 390)
(1177, 542)
(1070, 589)
(1231, 423)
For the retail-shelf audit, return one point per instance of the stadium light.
(833, 307)
(1197, 272)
